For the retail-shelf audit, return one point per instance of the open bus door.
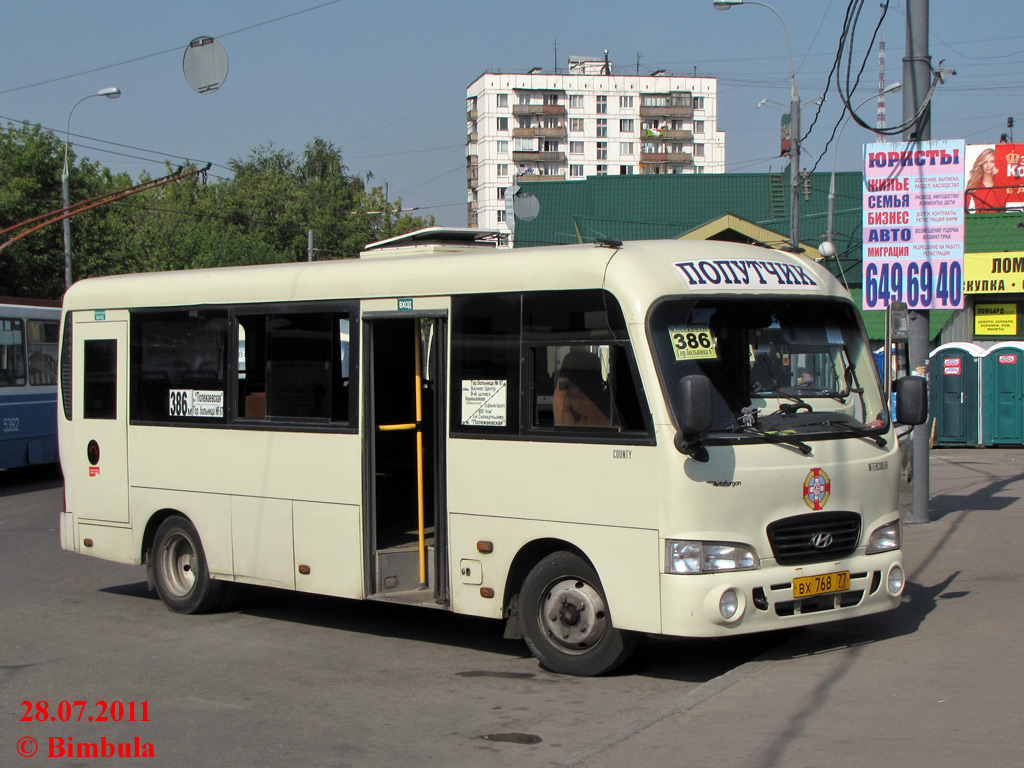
(404, 457)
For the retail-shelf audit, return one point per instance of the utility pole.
(917, 73)
(794, 167)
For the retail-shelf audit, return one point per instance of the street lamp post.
(830, 232)
(110, 93)
(794, 125)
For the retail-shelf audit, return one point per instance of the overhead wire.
(176, 49)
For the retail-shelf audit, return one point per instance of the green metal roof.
(670, 205)
(994, 232)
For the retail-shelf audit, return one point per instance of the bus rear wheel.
(565, 618)
(179, 569)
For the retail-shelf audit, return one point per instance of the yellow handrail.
(419, 462)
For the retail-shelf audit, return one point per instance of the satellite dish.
(526, 206)
(205, 65)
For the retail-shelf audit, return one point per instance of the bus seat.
(581, 397)
(256, 405)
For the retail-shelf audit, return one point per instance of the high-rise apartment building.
(541, 126)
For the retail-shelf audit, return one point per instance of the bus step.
(398, 570)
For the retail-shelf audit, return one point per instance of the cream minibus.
(592, 442)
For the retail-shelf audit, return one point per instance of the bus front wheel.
(179, 569)
(566, 621)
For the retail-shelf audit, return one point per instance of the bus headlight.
(884, 539)
(725, 605)
(895, 581)
(708, 556)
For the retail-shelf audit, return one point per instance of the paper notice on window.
(198, 403)
(484, 402)
(692, 342)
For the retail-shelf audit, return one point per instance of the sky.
(385, 81)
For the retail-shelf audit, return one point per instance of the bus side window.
(42, 352)
(12, 352)
(294, 366)
(252, 364)
(99, 380)
(581, 373)
(177, 356)
(485, 364)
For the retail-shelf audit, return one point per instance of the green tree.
(31, 162)
(383, 218)
(260, 215)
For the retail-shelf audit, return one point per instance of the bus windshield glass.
(799, 367)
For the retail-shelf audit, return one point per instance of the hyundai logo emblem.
(821, 540)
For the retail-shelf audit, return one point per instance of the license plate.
(805, 586)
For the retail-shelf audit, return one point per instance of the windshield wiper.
(813, 392)
(773, 437)
(858, 431)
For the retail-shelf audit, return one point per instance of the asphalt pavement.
(937, 682)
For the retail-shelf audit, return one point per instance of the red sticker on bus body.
(94, 471)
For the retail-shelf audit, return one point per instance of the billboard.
(995, 177)
(913, 224)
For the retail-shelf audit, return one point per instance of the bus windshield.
(799, 366)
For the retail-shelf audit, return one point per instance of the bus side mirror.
(911, 400)
(694, 412)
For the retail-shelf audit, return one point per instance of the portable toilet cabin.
(1002, 394)
(954, 385)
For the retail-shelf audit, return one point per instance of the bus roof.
(638, 271)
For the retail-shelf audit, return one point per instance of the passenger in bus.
(581, 396)
(762, 375)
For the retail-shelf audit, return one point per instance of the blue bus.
(29, 333)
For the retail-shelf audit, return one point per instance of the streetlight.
(829, 234)
(110, 93)
(794, 124)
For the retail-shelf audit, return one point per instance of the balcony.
(471, 114)
(471, 138)
(538, 109)
(653, 157)
(670, 135)
(538, 157)
(546, 133)
(666, 111)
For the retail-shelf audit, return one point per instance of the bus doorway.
(405, 523)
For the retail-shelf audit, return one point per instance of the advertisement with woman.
(995, 177)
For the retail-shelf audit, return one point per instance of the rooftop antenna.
(556, 55)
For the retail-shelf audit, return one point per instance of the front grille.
(796, 540)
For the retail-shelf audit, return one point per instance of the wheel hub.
(574, 615)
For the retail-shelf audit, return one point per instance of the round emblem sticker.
(817, 487)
